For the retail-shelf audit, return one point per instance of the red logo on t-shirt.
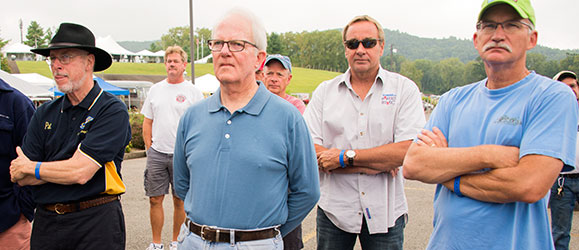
(180, 98)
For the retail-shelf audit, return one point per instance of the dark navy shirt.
(15, 113)
(98, 126)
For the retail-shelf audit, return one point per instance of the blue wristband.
(457, 186)
(342, 158)
(37, 170)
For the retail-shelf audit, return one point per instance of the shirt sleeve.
(550, 129)
(181, 174)
(313, 115)
(410, 118)
(147, 109)
(303, 177)
(109, 134)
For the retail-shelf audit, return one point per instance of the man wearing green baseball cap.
(495, 147)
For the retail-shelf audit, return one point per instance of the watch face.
(350, 153)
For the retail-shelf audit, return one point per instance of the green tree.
(410, 70)
(474, 71)
(3, 60)
(35, 36)
(451, 72)
(430, 78)
(48, 35)
(155, 46)
(177, 36)
(202, 35)
(274, 44)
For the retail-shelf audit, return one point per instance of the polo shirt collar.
(380, 77)
(254, 107)
(5, 87)
(88, 100)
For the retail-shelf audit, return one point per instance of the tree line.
(436, 65)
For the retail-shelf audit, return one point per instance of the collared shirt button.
(362, 114)
(359, 213)
(74, 118)
(228, 122)
(227, 136)
(363, 193)
(362, 133)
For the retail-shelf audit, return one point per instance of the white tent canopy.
(146, 53)
(17, 48)
(204, 59)
(207, 83)
(110, 45)
(18, 51)
(37, 80)
(28, 89)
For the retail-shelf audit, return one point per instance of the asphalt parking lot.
(136, 209)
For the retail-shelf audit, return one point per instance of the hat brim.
(103, 59)
(521, 12)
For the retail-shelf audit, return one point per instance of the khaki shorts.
(158, 173)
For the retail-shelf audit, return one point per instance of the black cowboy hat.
(70, 35)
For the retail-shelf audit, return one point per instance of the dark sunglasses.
(368, 43)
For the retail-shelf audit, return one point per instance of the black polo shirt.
(98, 126)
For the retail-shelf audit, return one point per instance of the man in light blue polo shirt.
(495, 147)
(239, 151)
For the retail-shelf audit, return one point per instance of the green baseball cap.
(523, 7)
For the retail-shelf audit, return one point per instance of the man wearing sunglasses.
(362, 123)
(239, 151)
(495, 147)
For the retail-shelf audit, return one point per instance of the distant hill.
(413, 47)
(136, 46)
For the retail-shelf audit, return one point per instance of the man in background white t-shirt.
(166, 102)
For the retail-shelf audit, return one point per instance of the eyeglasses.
(234, 45)
(64, 58)
(509, 27)
(368, 43)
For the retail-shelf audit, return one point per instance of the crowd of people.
(247, 164)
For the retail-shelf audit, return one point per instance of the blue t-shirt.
(234, 170)
(537, 115)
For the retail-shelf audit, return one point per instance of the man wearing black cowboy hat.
(73, 150)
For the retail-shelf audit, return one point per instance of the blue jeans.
(188, 240)
(331, 237)
(562, 211)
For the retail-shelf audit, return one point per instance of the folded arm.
(79, 169)
(383, 158)
(508, 180)
(528, 182)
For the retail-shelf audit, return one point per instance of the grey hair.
(257, 28)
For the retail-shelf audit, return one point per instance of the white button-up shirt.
(338, 118)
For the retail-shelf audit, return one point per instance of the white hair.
(257, 28)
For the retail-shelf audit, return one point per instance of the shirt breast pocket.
(6, 131)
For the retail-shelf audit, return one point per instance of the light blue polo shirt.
(234, 170)
(537, 115)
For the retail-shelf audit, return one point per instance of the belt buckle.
(203, 232)
(56, 206)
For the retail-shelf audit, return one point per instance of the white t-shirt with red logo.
(164, 105)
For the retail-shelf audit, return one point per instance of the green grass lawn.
(303, 81)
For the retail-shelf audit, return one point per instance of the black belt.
(223, 235)
(63, 208)
(572, 176)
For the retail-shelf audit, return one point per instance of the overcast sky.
(143, 20)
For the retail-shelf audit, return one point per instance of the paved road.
(136, 208)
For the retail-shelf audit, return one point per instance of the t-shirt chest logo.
(389, 99)
(180, 98)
